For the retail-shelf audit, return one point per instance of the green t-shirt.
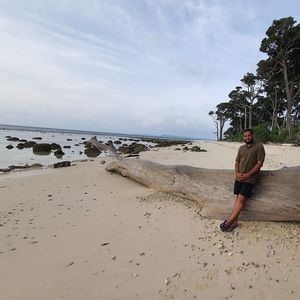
(248, 156)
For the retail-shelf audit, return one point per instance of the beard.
(249, 142)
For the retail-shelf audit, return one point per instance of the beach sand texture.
(85, 233)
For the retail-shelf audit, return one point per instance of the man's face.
(248, 137)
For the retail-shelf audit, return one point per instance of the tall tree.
(282, 45)
(274, 92)
(252, 92)
(223, 114)
(237, 96)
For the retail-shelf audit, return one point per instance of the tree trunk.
(275, 198)
(245, 124)
(289, 100)
(275, 107)
(250, 115)
(222, 123)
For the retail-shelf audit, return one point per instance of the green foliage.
(261, 132)
(264, 134)
(268, 101)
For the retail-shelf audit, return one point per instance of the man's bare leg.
(238, 206)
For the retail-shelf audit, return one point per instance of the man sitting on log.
(248, 163)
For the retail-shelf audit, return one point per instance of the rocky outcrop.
(55, 146)
(134, 148)
(62, 164)
(13, 139)
(197, 149)
(42, 149)
(59, 153)
(13, 167)
(92, 152)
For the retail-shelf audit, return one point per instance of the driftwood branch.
(275, 198)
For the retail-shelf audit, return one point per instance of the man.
(248, 163)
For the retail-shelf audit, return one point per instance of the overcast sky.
(131, 66)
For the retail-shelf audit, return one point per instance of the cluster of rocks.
(163, 142)
(13, 167)
(133, 148)
(194, 149)
(47, 148)
(91, 151)
(130, 149)
(136, 147)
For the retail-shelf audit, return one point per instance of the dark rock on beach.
(59, 153)
(29, 144)
(9, 147)
(197, 149)
(109, 142)
(117, 142)
(67, 147)
(20, 146)
(133, 155)
(37, 138)
(13, 167)
(41, 149)
(134, 148)
(55, 146)
(62, 164)
(92, 152)
(13, 139)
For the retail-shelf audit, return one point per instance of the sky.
(130, 66)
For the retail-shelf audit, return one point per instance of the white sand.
(159, 247)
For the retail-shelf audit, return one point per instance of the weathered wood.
(275, 198)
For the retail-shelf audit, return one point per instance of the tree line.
(268, 101)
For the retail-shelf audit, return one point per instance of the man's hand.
(242, 176)
(239, 176)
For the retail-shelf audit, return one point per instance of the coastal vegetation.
(268, 101)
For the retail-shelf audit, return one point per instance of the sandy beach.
(84, 233)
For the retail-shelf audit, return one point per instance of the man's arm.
(238, 175)
(254, 170)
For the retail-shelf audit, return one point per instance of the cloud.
(146, 66)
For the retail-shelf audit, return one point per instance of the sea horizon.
(91, 132)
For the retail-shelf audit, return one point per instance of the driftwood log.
(275, 198)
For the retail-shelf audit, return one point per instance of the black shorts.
(243, 188)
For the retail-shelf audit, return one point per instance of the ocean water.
(24, 156)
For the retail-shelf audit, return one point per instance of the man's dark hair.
(248, 130)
